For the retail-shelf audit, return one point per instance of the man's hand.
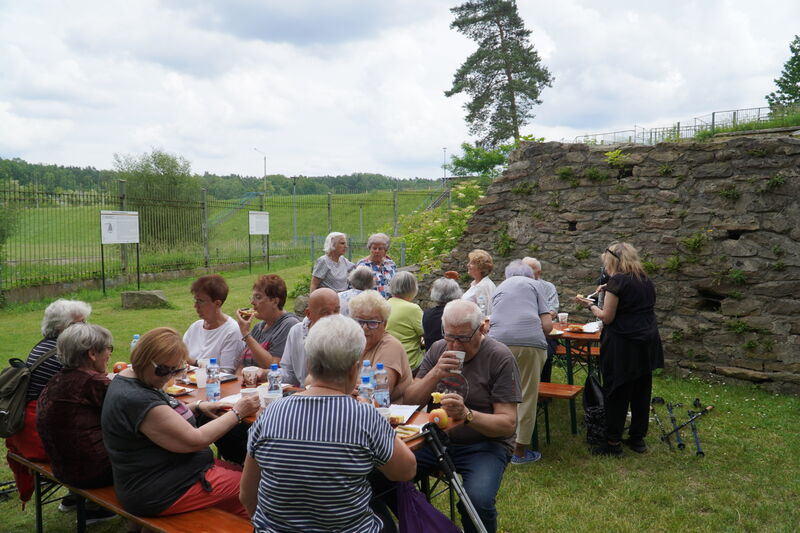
(447, 363)
(453, 405)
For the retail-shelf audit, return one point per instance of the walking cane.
(675, 428)
(694, 432)
(705, 410)
(656, 400)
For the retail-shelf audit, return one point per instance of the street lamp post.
(265, 169)
(263, 203)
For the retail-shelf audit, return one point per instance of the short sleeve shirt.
(493, 377)
(383, 274)
(333, 275)
(224, 342)
(44, 371)
(390, 352)
(272, 338)
(516, 306)
(405, 324)
(293, 360)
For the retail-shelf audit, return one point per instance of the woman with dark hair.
(630, 347)
(265, 343)
(215, 334)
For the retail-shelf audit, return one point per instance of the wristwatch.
(468, 417)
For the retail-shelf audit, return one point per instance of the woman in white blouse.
(482, 288)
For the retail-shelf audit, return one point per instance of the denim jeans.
(481, 466)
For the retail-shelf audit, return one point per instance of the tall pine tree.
(504, 76)
(788, 92)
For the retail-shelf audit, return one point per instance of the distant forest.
(56, 178)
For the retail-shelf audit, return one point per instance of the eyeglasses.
(164, 370)
(463, 339)
(612, 253)
(371, 324)
(110, 348)
(198, 301)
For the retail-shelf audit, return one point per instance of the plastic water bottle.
(381, 394)
(212, 381)
(365, 390)
(367, 370)
(274, 389)
(134, 341)
(482, 304)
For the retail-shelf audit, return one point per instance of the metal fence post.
(394, 198)
(713, 121)
(330, 212)
(402, 254)
(311, 247)
(123, 248)
(205, 226)
(361, 222)
(263, 237)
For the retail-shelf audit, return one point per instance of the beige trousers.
(530, 362)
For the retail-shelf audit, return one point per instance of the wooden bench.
(557, 391)
(208, 520)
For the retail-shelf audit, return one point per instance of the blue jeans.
(481, 466)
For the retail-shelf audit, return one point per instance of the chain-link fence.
(55, 237)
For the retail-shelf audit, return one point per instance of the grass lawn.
(749, 479)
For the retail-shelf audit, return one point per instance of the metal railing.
(705, 124)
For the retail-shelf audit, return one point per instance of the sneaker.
(93, 516)
(68, 503)
(609, 450)
(636, 445)
(530, 457)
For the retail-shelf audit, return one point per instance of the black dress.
(630, 345)
(432, 325)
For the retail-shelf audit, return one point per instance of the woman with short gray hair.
(383, 268)
(405, 321)
(339, 455)
(76, 394)
(361, 280)
(331, 269)
(443, 290)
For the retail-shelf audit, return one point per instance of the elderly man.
(551, 295)
(321, 303)
(482, 446)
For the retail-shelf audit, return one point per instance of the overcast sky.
(341, 86)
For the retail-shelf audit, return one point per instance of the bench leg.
(80, 514)
(37, 495)
(547, 423)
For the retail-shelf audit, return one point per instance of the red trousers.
(28, 444)
(224, 478)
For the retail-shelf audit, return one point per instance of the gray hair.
(534, 263)
(369, 302)
(77, 340)
(330, 240)
(445, 290)
(361, 278)
(61, 313)
(518, 268)
(333, 346)
(381, 238)
(403, 285)
(460, 312)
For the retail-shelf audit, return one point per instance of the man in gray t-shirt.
(481, 447)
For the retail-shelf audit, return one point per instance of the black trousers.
(635, 394)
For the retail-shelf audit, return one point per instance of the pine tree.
(788, 92)
(504, 77)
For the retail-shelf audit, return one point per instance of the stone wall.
(717, 224)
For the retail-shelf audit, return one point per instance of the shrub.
(695, 241)
(583, 254)
(674, 263)
(737, 276)
(595, 174)
(773, 183)
(729, 192)
(505, 243)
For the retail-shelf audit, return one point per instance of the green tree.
(788, 92)
(483, 162)
(159, 185)
(504, 76)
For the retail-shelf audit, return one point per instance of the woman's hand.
(247, 406)
(586, 302)
(244, 323)
(601, 288)
(212, 410)
(453, 405)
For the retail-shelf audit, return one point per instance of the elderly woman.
(215, 334)
(57, 317)
(311, 475)
(521, 320)
(361, 280)
(266, 341)
(630, 347)
(76, 394)
(405, 320)
(481, 289)
(383, 268)
(331, 269)
(443, 290)
(161, 460)
(371, 312)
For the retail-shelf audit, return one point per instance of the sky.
(328, 87)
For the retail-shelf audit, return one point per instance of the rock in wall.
(717, 224)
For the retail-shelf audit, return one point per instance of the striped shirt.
(45, 371)
(315, 453)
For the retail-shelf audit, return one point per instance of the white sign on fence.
(119, 227)
(259, 222)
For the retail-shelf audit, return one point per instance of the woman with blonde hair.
(481, 289)
(630, 347)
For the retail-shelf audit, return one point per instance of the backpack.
(594, 413)
(13, 392)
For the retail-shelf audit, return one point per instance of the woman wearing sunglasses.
(161, 460)
(371, 311)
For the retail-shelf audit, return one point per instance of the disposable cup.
(250, 391)
(385, 412)
(264, 396)
(202, 363)
(460, 356)
(563, 317)
(250, 376)
(201, 376)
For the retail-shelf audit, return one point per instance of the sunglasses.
(612, 253)
(371, 324)
(164, 370)
(460, 338)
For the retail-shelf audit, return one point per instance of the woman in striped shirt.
(309, 454)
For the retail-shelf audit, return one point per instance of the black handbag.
(594, 412)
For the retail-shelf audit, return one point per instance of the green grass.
(749, 479)
(780, 121)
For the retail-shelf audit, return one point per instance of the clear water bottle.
(367, 370)
(274, 389)
(482, 304)
(212, 381)
(381, 394)
(365, 390)
(134, 341)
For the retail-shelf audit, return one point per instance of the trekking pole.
(705, 410)
(658, 421)
(675, 428)
(696, 436)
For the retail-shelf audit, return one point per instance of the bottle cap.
(273, 366)
(379, 366)
(367, 362)
(365, 380)
(212, 361)
(135, 335)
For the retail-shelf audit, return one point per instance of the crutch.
(675, 428)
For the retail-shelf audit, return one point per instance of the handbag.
(594, 412)
(416, 515)
(14, 391)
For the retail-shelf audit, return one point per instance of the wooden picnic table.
(575, 344)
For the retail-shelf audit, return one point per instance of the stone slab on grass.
(144, 299)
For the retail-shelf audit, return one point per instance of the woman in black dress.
(630, 347)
